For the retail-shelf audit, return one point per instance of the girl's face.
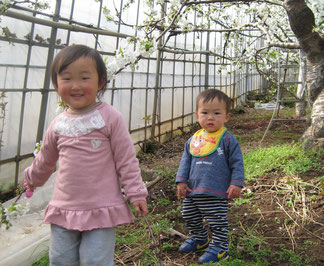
(212, 115)
(78, 84)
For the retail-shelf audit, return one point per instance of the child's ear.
(196, 115)
(228, 116)
(102, 83)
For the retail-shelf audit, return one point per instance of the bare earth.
(298, 227)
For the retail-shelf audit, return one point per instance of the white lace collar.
(74, 126)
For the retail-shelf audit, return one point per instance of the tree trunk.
(302, 22)
(301, 106)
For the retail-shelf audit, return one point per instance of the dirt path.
(263, 221)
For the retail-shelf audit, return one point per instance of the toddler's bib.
(204, 143)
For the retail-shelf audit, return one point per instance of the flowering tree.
(256, 31)
(260, 32)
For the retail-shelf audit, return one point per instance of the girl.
(96, 157)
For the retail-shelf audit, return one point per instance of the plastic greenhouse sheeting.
(27, 240)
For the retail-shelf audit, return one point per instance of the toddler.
(96, 157)
(211, 171)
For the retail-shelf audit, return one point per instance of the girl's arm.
(127, 165)
(44, 163)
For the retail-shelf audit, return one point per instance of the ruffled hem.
(82, 220)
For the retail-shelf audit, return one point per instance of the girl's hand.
(140, 208)
(29, 192)
(182, 189)
(233, 192)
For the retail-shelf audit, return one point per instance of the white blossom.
(175, 2)
(59, 109)
(37, 148)
(6, 2)
(15, 211)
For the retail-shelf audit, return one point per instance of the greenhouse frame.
(156, 97)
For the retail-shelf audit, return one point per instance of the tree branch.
(173, 20)
(195, 52)
(231, 1)
(287, 45)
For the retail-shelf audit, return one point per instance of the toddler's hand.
(140, 208)
(182, 189)
(29, 192)
(233, 192)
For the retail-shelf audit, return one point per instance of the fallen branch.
(292, 239)
(281, 207)
(155, 242)
(152, 183)
(119, 259)
(309, 232)
(304, 204)
(174, 233)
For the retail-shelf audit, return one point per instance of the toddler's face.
(78, 84)
(212, 115)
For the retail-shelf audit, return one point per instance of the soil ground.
(280, 228)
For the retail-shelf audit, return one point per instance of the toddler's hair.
(70, 54)
(211, 94)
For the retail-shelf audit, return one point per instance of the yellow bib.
(204, 143)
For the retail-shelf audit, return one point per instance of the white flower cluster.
(6, 2)
(59, 109)
(7, 215)
(318, 9)
(109, 15)
(37, 147)
(175, 2)
(128, 52)
(17, 210)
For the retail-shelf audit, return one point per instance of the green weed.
(289, 158)
(240, 201)
(167, 245)
(321, 184)
(163, 202)
(254, 250)
(125, 237)
(44, 261)
(286, 255)
(159, 223)
(309, 243)
(173, 212)
(166, 172)
(142, 155)
(249, 247)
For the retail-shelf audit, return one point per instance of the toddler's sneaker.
(213, 254)
(192, 244)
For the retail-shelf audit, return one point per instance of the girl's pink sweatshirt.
(96, 157)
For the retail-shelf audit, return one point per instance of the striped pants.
(214, 211)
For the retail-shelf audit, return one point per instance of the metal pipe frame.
(193, 57)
